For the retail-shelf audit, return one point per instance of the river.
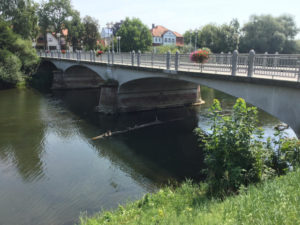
(51, 171)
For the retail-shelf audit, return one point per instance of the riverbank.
(272, 202)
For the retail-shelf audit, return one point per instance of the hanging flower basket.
(63, 51)
(200, 56)
(99, 53)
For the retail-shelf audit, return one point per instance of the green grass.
(273, 202)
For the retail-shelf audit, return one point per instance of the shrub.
(10, 66)
(232, 155)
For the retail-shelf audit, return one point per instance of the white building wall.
(52, 42)
(169, 38)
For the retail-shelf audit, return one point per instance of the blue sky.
(182, 15)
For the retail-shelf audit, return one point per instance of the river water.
(51, 171)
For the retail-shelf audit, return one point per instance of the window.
(166, 39)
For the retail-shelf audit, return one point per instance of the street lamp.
(119, 44)
(111, 38)
(196, 40)
(58, 35)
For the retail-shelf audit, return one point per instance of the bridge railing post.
(112, 57)
(108, 57)
(138, 59)
(251, 63)
(94, 56)
(265, 59)
(298, 62)
(177, 60)
(91, 55)
(234, 62)
(59, 54)
(168, 60)
(77, 55)
(275, 61)
(152, 58)
(227, 60)
(68, 54)
(51, 54)
(132, 57)
(220, 58)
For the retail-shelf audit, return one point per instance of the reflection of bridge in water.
(149, 81)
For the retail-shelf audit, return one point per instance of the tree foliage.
(217, 38)
(134, 35)
(54, 14)
(22, 16)
(17, 57)
(269, 34)
(237, 155)
(75, 29)
(91, 33)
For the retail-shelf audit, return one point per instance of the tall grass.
(272, 202)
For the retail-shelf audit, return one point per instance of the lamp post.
(119, 42)
(110, 37)
(196, 40)
(58, 35)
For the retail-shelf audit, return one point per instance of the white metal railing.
(282, 66)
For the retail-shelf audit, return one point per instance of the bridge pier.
(147, 95)
(58, 80)
(108, 99)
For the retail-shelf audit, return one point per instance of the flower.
(63, 51)
(200, 56)
(99, 52)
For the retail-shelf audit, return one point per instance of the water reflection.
(159, 153)
(49, 162)
(20, 117)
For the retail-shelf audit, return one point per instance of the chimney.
(153, 25)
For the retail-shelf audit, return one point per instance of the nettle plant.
(235, 153)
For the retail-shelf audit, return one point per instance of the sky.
(182, 15)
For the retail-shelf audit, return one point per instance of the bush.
(10, 66)
(236, 155)
(232, 155)
(17, 57)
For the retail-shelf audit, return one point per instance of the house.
(164, 36)
(53, 42)
(106, 35)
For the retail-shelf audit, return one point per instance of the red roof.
(158, 31)
(65, 32)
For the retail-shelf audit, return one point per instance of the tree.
(17, 57)
(91, 33)
(222, 38)
(53, 16)
(75, 29)
(22, 16)
(269, 34)
(134, 35)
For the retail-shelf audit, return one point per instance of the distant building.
(164, 36)
(106, 35)
(52, 41)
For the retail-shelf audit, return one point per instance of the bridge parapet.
(272, 66)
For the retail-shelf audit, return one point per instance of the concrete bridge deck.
(270, 82)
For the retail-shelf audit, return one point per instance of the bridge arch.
(81, 76)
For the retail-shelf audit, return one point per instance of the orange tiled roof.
(65, 32)
(177, 34)
(158, 31)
